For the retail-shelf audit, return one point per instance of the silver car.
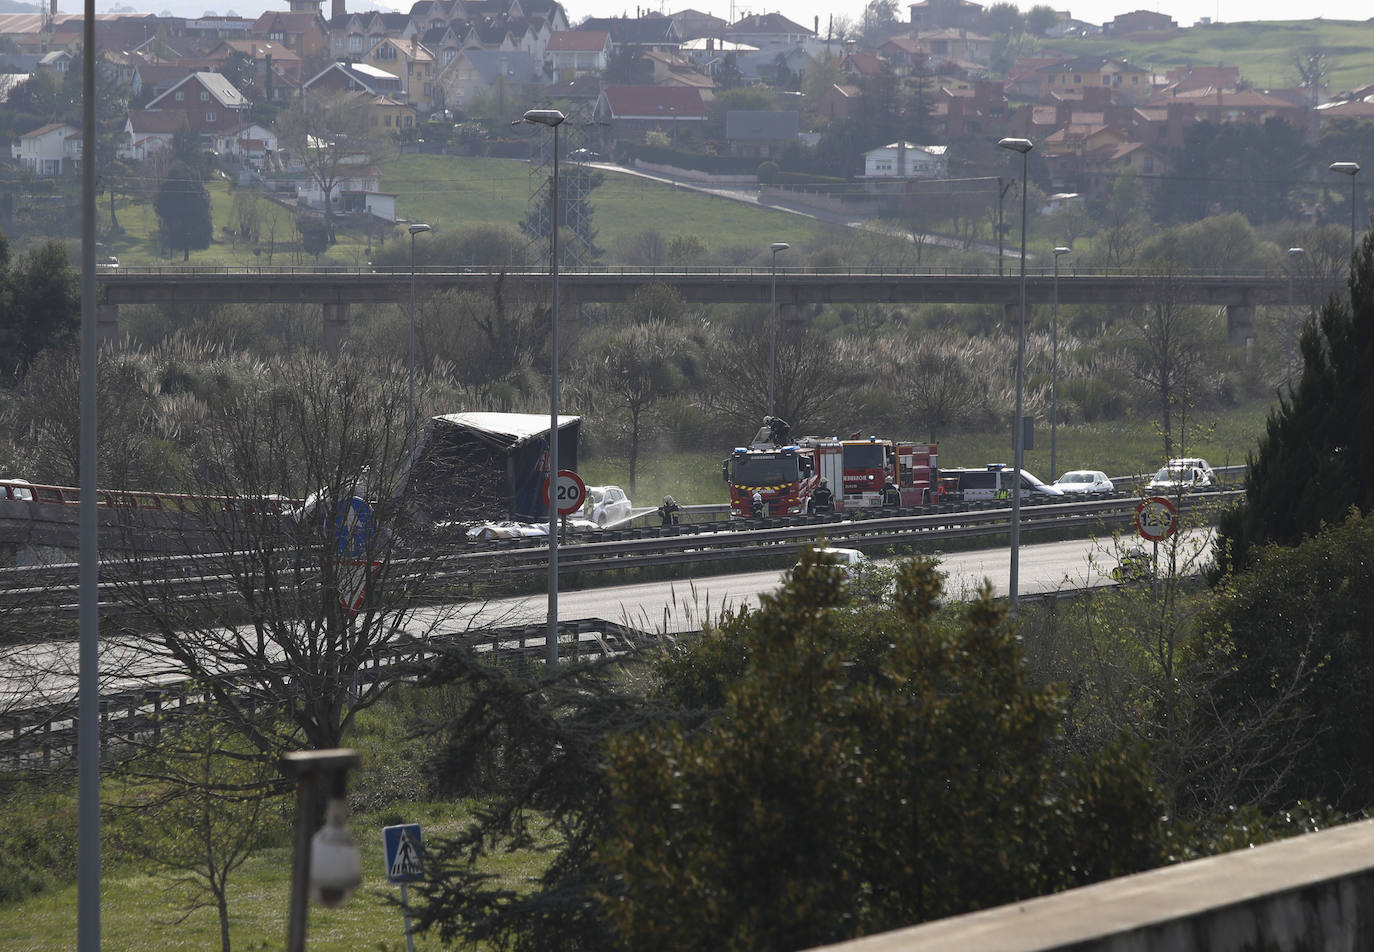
(606, 505)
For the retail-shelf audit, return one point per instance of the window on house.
(204, 96)
(388, 122)
(1135, 80)
(410, 120)
(181, 96)
(355, 44)
(210, 117)
(1149, 164)
(277, 36)
(1077, 79)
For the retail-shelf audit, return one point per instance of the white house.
(249, 142)
(906, 160)
(146, 132)
(349, 191)
(50, 150)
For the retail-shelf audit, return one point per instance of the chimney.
(336, 8)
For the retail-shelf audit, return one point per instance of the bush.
(767, 173)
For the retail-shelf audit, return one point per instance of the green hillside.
(1264, 51)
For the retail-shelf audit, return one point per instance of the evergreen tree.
(1314, 461)
(183, 210)
(40, 300)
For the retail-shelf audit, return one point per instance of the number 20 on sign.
(569, 492)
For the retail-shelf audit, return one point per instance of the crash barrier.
(54, 588)
(45, 734)
(23, 491)
(1314, 891)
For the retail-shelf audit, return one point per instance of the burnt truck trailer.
(490, 466)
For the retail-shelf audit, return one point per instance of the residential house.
(276, 70)
(305, 34)
(761, 133)
(856, 67)
(250, 142)
(906, 160)
(59, 61)
(352, 78)
(412, 62)
(508, 77)
(672, 69)
(945, 14)
(904, 53)
(769, 65)
(387, 116)
(1211, 104)
(839, 101)
(152, 79)
(637, 110)
(210, 101)
(1139, 21)
(149, 131)
(977, 109)
(49, 151)
(1129, 83)
(348, 190)
(957, 46)
(769, 32)
(693, 24)
(637, 34)
(571, 53)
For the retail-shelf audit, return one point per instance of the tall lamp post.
(1022, 146)
(1352, 169)
(553, 119)
(1292, 255)
(1054, 366)
(775, 247)
(415, 229)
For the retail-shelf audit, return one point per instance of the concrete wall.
(1312, 893)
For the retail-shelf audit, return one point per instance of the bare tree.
(332, 136)
(1165, 346)
(271, 602)
(809, 373)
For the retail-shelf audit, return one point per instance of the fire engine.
(785, 473)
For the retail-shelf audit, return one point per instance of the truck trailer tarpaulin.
(492, 465)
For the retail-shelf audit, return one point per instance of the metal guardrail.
(48, 730)
(53, 588)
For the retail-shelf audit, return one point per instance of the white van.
(995, 481)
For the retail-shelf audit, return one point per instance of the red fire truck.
(785, 474)
(869, 463)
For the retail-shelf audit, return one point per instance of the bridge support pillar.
(106, 324)
(335, 328)
(1240, 323)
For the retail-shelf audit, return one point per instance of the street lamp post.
(1054, 367)
(553, 119)
(1352, 169)
(1001, 194)
(1292, 254)
(1022, 146)
(775, 247)
(415, 229)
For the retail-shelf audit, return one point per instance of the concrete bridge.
(338, 291)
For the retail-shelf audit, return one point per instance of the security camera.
(336, 867)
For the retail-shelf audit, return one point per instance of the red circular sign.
(1156, 518)
(569, 491)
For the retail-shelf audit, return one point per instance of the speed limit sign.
(569, 492)
(1156, 518)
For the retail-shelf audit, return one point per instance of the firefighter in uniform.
(756, 505)
(892, 496)
(670, 513)
(823, 500)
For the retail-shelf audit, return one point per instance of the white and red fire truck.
(785, 474)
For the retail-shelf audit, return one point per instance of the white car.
(848, 561)
(1173, 478)
(606, 505)
(1084, 481)
(1209, 478)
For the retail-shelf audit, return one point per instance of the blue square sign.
(405, 854)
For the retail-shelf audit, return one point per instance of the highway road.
(29, 673)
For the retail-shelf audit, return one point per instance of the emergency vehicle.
(786, 473)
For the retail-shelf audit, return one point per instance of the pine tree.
(1314, 461)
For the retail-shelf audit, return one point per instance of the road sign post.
(405, 863)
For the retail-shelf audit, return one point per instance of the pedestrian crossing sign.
(405, 855)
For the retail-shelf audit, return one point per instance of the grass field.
(1121, 449)
(1265, 52)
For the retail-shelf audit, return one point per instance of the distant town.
(915, 85)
